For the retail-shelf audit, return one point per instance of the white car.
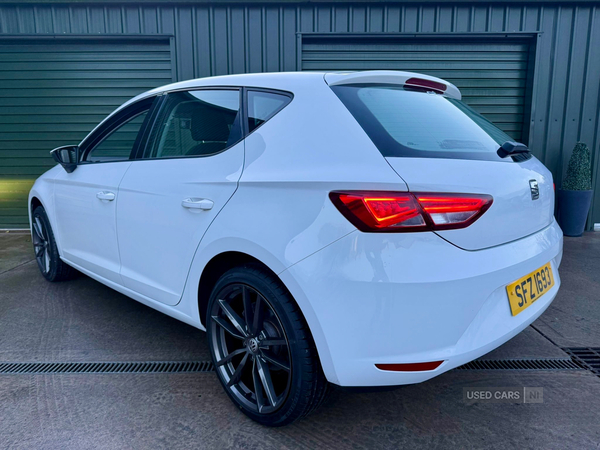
(360, 229)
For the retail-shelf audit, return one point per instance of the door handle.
(105, 195)
(197, 203)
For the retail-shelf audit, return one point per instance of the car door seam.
(316, 251)
(117, 220)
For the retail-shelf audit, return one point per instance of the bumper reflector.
(410, 367)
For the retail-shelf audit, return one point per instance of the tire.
(276, 350)
(46, 251)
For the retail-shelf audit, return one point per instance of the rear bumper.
(413, 297)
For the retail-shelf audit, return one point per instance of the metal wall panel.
(215, 39)
(490, 73)
(54, 92)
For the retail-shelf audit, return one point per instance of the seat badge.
(535, 190)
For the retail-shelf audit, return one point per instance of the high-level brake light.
(410, 211)
(426, 84)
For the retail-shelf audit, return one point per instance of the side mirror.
(67, 156)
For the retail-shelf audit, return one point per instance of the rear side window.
(403, 122)
(196, 123)
(264, 105)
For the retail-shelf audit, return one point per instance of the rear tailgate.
(515, 212)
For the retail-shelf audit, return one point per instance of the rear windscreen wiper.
(510, 148)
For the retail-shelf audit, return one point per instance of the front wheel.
(46, 251)
(262, 348)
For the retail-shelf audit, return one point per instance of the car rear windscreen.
(410, 123)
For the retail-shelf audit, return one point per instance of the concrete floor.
(82, 320)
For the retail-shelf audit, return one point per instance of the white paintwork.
(413, 297)
(86, 216)
(368, 298)
(386, 77)
(158, 230)
(512, 215)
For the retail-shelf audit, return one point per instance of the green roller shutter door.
(53, 94)
(491, 76)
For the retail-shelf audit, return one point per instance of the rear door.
(177, 186)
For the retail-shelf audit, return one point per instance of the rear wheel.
(46, 251)
(262, 348)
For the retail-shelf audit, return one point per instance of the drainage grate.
(586, 356)
(522, 364)
(106, 367)
(582, 359)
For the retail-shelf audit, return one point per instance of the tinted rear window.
(264, 105)
(409, 123)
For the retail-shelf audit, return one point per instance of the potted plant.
(575, 197)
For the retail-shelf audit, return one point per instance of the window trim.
(158, 100)
(114, 122)
(141, 150)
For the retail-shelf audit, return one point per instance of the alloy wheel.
(41, 244)
(251, 350)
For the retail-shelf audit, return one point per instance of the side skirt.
(163, 308)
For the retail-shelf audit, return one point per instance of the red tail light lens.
(408, 211)
(453, 210)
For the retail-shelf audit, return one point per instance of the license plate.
(523, 292)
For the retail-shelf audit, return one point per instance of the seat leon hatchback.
(356, 229)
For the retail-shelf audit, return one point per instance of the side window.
(118, 144)
(264, 105)
(196, 123)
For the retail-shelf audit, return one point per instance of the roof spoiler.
(415, 80)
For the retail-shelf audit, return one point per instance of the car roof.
(273, 80)
(292, 80)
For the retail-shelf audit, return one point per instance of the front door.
(171, 194)
(86, 199)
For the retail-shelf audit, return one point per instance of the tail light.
(409, 211)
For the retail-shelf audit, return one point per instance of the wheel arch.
(215, 268)
(34, 203)
(226, 260)
(42, 194)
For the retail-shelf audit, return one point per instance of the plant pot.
(573, 208)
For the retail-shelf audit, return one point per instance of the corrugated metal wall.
(212, 40)
(52, 94)
(492, 73)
